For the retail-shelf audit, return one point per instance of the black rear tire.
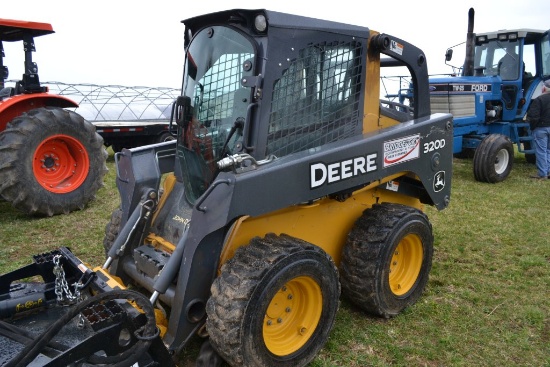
(493, 159)
(274, 303)
(529, 157)
(465, 154)
(65, 143)
(387, 259)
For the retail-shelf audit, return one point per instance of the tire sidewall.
(304, 263)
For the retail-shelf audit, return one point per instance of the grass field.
(486, 304)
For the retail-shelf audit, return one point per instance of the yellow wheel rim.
(292, 316)
(405, 265)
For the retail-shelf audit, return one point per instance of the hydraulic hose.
(170, 269)
(123, 236)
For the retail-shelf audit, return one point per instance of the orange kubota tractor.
(52, 161)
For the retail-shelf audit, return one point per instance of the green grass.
(486, 303)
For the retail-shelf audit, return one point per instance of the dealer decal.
(321, 173)
(401, 150)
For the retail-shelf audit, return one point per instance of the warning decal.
(396, 47)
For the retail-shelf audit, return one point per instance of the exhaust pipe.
(468, 69)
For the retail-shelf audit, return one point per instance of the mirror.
(448, 55)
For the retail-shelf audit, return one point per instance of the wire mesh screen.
(216, 90)
(215, 104)
(317, 99)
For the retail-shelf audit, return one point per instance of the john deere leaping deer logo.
(439, 181)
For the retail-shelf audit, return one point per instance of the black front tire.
(493, 159)
(387, 259)
(73, 162)
(274, 303)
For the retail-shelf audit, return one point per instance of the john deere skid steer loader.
(290, 182)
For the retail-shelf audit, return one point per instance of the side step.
(524, 136)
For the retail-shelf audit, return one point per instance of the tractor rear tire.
(529, 157)
(493, 159)
(466, 153)
(53, 162)
(387, 259)
(274, 303)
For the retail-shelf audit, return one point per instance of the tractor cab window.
(507, 58)
(529, 61)
(498, 58)
(217, 59)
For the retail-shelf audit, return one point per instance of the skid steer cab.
(290, 185)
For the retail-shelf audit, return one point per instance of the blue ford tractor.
(502, 73)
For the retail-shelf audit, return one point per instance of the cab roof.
(529, 34)
(276, 19)
(16, 30)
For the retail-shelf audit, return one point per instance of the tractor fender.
(15, 106)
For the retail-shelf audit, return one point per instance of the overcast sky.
(140, 43)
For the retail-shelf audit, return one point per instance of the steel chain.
(61, 285)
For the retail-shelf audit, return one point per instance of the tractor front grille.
(458, 105)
